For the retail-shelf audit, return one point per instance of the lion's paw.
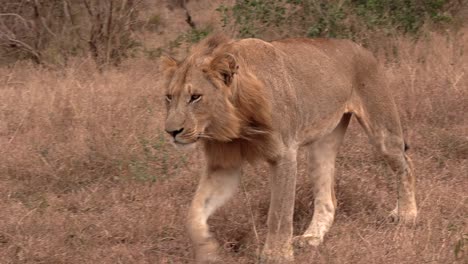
(407, 217)
(307, 240)
(207, 252)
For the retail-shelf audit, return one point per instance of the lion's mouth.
(177, 142)
(184, 145)
(187, 139)
(184, 141)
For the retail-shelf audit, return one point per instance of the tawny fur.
(247, 100)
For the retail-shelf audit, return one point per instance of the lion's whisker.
(205, 136)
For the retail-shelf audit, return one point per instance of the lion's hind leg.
(382, 125)
(321, 161)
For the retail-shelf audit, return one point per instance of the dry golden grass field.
(87, 175)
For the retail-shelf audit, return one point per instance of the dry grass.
(86, 175)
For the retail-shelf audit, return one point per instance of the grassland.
(86, 174)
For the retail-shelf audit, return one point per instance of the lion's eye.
(168, 98)
(195, 97)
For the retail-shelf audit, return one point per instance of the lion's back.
(308, 78)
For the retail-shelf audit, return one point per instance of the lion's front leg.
(278, 246)
(215, 188)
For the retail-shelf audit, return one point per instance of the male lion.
(249, 99)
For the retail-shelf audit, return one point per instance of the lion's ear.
(168, 65)
(226, 66)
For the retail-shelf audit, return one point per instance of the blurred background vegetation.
(50, 32)
(342, 19)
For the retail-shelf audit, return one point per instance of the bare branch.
(66, 11)
(88, 8)
(37, 7)
(24, 46)
(44, 24)
(25, 22)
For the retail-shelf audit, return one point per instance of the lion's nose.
(174, 133)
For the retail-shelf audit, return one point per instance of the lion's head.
(210, 96)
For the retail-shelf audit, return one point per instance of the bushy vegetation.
(322, 18)
(51, 32)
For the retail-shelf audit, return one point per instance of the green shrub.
(321, 18)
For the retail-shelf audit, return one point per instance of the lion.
(247, 100)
